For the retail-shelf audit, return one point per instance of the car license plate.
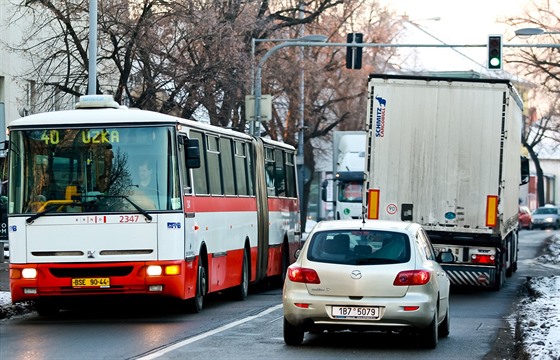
(355, 312)
(91, 282)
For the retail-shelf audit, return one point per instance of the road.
(252, 329)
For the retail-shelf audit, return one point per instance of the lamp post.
(319, 40)
(92, 63)
(307, 40)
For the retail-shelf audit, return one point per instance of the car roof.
(400, 226)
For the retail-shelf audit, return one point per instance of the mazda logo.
(356, 274)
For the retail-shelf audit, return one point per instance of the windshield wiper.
(74, 202)
(48, 209)
(136, 206)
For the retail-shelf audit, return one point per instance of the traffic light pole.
(288, 43)
(255, 128)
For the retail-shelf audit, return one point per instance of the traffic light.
(495, 52)
(354, 53)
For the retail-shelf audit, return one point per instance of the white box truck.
(446, 153)
(349, 149)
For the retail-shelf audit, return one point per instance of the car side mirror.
(445, 257)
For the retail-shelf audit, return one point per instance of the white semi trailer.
(446, 153)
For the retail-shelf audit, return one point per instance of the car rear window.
(360, 247)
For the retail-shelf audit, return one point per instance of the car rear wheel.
(293, 335)
(429, 335)
(443, 330)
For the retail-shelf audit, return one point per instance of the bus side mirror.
(193, 154)
(525, 172)
(324, 185)
(4, 145)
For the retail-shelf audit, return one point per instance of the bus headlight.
(154, 270)
(29, 273)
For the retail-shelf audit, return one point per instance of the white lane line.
(180, 344)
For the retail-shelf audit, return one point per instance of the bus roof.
(122, 116)
(106, 116)
(102, 110)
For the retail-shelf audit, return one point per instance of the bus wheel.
(242, 290)
(46, 308)
(198, 301)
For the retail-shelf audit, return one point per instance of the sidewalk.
(4, 276)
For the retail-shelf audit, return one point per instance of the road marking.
(180, 344)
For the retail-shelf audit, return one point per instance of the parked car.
(367, 275)
(547, 216)
(525, 218)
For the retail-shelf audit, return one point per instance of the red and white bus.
(105, 200)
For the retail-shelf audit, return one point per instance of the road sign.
(266, 108)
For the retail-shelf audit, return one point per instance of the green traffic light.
(495, 52)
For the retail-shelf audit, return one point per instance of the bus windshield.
(93, 170)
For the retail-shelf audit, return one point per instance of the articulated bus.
(105, 201)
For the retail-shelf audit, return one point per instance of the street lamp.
(307, 40)
(529, 31)
(534, 31)
(310, 38)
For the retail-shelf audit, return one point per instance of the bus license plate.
(355, 312)
(91, 282)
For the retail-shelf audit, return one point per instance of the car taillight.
(303, 275)
(483, 259)
(412, 277)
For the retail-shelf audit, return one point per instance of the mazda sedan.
(367, 275)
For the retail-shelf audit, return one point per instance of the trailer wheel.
(513, 247)
(500, 277)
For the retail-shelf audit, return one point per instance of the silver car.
(367, 275)
(546, 217)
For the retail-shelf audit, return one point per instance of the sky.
(459, 22)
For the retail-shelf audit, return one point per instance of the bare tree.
(335, 97)
(192, 58)
(189, 58)
(542, 67)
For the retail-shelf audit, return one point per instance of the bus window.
(226, 158)
(72, 170)
(280, 173)
(200, 182)
(291, 186)
(270, 168)
(241, 168)
(213, 158)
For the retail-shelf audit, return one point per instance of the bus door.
(189, 158)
